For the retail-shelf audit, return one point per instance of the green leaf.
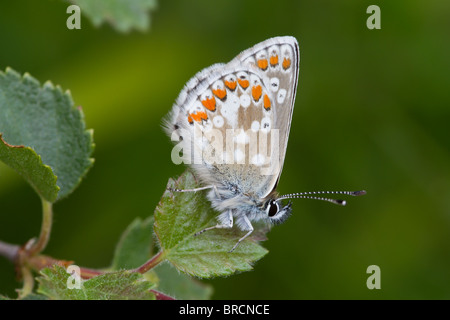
(182, 214)
(179, 285)
(123, 15)
(122, 285)
(34, 296)
(29, 165)
(43, 135)
(135, 245)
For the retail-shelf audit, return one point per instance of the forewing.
(278, 59)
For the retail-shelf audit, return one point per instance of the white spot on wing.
(197, 106)
(281, 95)
(218, 121)
(250, 60)
(254, 80)
(255, 126)
(274, 51)
(274, 84)
(286, 51)
(261, 55)
(218, 85)
(230, 108)
(206, 95)
(245, 100)
(230, 78)
(266, 124)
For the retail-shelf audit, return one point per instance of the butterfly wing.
(279, 60)
(224, 108)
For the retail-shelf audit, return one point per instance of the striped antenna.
(313, 195)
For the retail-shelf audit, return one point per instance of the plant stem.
(87, 273)
(28, 282)
(40, 261)
(150, 264)
(161, 296)
(47, 219)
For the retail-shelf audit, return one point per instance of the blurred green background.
(372, 112)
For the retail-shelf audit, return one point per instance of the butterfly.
(231, 123)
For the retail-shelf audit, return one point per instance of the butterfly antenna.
(313, 195)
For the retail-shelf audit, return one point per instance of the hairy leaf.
(180, 215)
(122, 285)
(181, 286)
(43, 136)
(135, 245)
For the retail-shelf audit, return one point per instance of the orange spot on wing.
(256, 92)
(209, 104)
(262, 64)
(199, 116)
(244, 83)
(220, 93)
(286, 63)
(267, 103)
(231, 85)
(273, 61)
(191, 121)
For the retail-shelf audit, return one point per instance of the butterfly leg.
(191, 190)
(244, 225)
(226, 222)
(198, 189)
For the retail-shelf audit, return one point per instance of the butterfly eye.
(272, 208)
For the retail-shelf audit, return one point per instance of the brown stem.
(150, 264)
(41, 261)
(161, 296)
(87, 273)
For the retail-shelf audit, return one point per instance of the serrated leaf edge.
(90, 132)
(47, 167)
